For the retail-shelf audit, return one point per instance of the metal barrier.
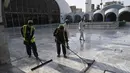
(99, 25)
(103, 25)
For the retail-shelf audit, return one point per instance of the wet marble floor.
(109, 47)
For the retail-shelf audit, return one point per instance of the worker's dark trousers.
(33, 47)
(59, 48)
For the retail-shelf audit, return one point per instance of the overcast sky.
(81, 3)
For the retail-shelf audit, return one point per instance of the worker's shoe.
(65, 56)
(37, 58)
(29, 56)
(58, 55)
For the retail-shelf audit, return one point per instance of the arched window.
(110, 17)
(86, 17)
(70, 20)
(77, 18)
(98, 17)
(124, 16)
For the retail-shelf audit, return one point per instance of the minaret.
(88, 6)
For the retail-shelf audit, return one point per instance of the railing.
(99, 25)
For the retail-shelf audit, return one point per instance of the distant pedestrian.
(66, 26)
(81, 29)
(67, 21)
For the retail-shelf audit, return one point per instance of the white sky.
(81, 3)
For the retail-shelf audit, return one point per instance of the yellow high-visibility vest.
(24, 33)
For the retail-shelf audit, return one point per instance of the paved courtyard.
(109, 47)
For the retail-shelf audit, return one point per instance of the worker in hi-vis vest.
(27, 32)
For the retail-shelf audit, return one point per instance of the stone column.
(88, 6)
(4, 51)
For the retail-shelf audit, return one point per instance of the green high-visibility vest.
(24, 33)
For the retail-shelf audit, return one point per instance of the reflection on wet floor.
(110, 49)
(82, 45)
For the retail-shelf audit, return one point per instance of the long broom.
(42, 64)
(88, 64)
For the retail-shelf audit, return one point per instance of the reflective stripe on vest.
(24, 33)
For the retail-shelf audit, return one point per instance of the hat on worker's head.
(30, 21)
(61, 26)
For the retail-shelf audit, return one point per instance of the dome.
(113, 10)
(115, 6)
(64, 9)
(99, 11)
(124, 9)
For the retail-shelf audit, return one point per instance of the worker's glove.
(56, 39)
(25, 43)
(55, 35)
(67, 45)
(83, 25)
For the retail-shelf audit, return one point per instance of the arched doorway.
(86, 17)
(69, 18)
(77, 18)
(124, 16)
(98, 17)
(110, 17)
